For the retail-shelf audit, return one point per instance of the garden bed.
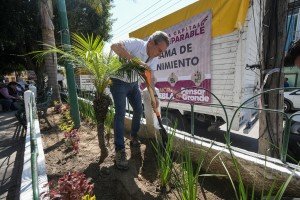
(141, 181)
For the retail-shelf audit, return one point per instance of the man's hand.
(144, 65)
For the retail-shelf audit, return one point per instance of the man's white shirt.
(137, 48)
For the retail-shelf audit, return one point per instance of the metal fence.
(286, 133)
(283, 151)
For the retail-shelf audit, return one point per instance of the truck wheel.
(171, 117)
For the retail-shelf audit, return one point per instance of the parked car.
(294, 142)
(291, 100)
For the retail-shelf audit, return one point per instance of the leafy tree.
(21, 33)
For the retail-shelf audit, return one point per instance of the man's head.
(286, 79)
(157, 43)
(292, 58)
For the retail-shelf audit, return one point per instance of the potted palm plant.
(87, 52)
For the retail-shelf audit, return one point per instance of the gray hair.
(159, 36)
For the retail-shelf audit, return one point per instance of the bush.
(72, 186)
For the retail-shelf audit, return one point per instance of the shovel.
(147, 78)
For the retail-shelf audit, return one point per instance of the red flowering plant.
(72, 186)
(72, 139)
(58, 107)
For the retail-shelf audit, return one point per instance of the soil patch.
(139, 182)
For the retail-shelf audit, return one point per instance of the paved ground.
(11, 156)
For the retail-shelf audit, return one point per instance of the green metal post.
(192, 120)
(65, 36)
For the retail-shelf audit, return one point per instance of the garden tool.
(147, 78)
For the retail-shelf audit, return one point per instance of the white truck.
(235, 27)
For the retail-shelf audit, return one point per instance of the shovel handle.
(148, 76)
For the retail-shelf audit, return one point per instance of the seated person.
(15, 89)
(8, 98)
(21, 85)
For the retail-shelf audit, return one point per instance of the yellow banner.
(228, 15)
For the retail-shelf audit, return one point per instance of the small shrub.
(72, 186)
(72, 140)
(187, 179)
(58, 107)
(89, 197)
(86, 110)
(66, 124)
(165, 161)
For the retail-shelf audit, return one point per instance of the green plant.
(165, 160)
(109, 122)
(86, 110)
(89, 197)
(242, 193)
(66, 124)
(87, 52)
(189, 177)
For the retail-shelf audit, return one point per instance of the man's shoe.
(121, 160)
(134, 142)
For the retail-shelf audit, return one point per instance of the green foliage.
(21, 31)
(165, 160)
(87, 52)
(109, 120)
(133, 64)
(80, 13)
(66, 124)
(188, 179)
(89, 197)
(242, 192)
(86, 110)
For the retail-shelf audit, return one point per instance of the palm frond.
(86, 52)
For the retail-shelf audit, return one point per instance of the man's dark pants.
(121, 90)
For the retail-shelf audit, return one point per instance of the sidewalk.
(11, 155)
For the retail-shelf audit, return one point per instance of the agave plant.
(87, 52)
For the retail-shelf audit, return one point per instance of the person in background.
(21, 84)
(8, 96)
(13, 89)
(6, 79)
(60, 78)
(125, 85)
(286, 83)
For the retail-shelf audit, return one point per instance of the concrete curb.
(255, 168)
(26, 181)
(26, 191)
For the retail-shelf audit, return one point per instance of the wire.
(124, 30)
(137, 25)
(143, 12)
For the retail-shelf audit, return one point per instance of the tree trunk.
(274, 35)
(101, 104)
(46, 12)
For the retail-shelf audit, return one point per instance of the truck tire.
(171, 117)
